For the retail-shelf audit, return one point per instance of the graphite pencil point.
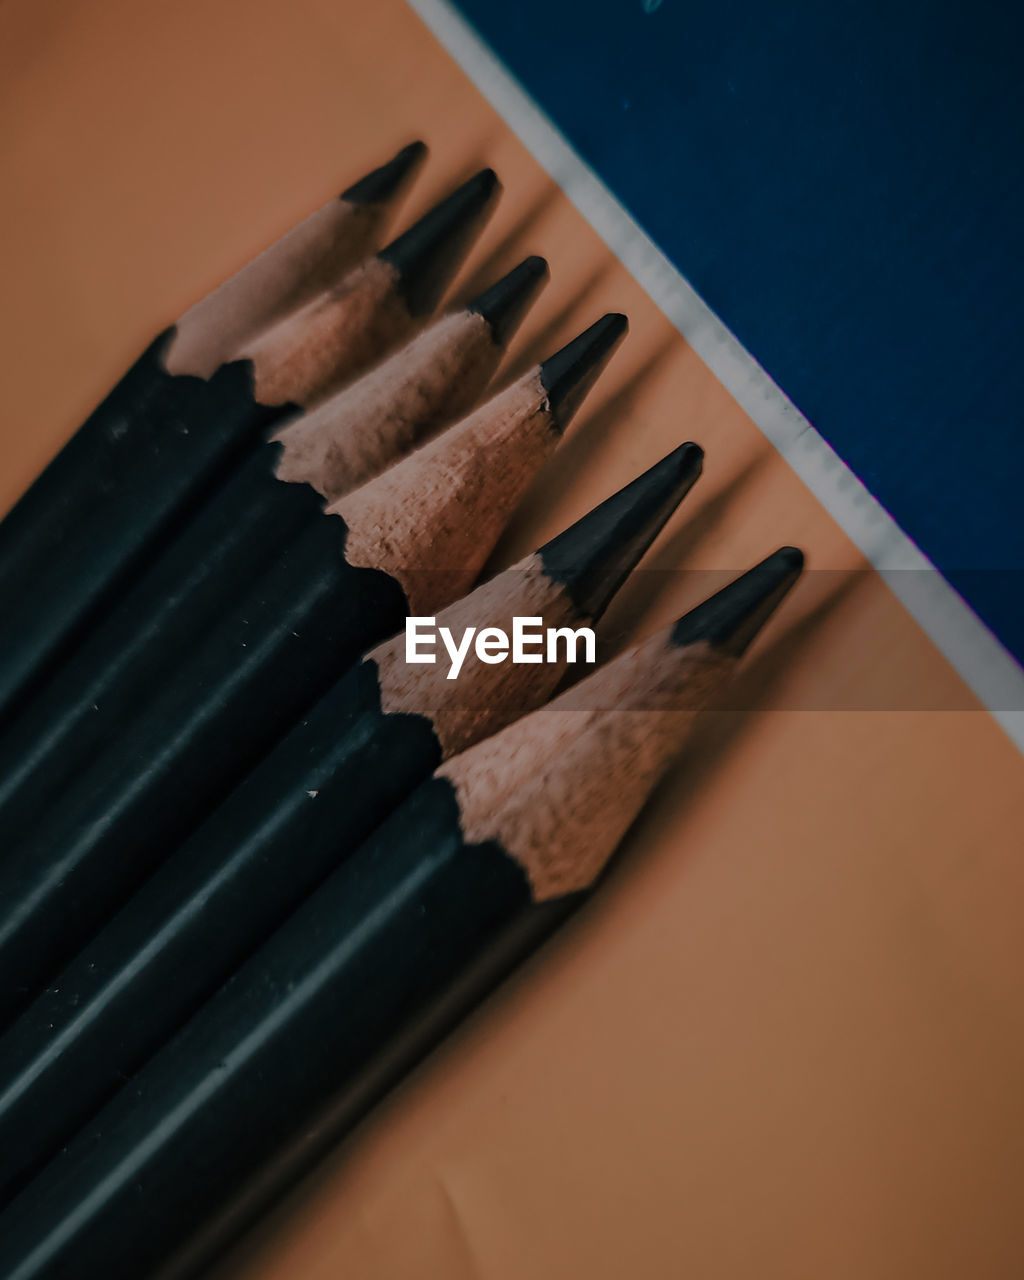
(732, 617)
(384, 183)
(570, 373)
(593, 557)
(503, 304)
(423, 256)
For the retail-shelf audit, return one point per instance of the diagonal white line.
(972, 650)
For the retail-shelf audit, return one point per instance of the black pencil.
(240, 528)
(141, 429)
(311, 256)
(367, 743)
(409, 541)
(471, 872)
(161, 438)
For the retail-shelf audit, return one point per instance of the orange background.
(787, 1038)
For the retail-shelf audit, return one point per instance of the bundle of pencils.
(266, 501)
(379, 731)
(467, 876)
(193, 401)
(347, 581)
(255, 863)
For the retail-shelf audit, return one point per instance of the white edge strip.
(974, 652)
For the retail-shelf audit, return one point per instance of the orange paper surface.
(786, 1039)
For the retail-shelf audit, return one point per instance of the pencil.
(367, 743)
(308, 258)
(346, 584)
(344, 329)
(477, 866)
(242, 525)
(142, 409)
(160, 439)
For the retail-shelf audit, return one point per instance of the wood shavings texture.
(352, 436)
(486, 696)
(307, 259)
(432, 519)
(314, 350)
(559, 788)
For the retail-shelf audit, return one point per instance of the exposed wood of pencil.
(514, 432)
(377, 733)
(305, 260)
(315, 349)
(535, 787)
(353, 435)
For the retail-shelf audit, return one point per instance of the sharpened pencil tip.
(426, 256)
(569, 374)
(505, 303)
(732, 617)
(593, 557)
(386, 182)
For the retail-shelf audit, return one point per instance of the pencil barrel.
(68, 481)
(132, 650)
(325, 787)
(113, 493)
(265, 1062)
(309, 617)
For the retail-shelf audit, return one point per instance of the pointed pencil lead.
(593, 557)
(505, 302)
(425, 257)
(730, 619)
(386, 182)
(570, 373)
